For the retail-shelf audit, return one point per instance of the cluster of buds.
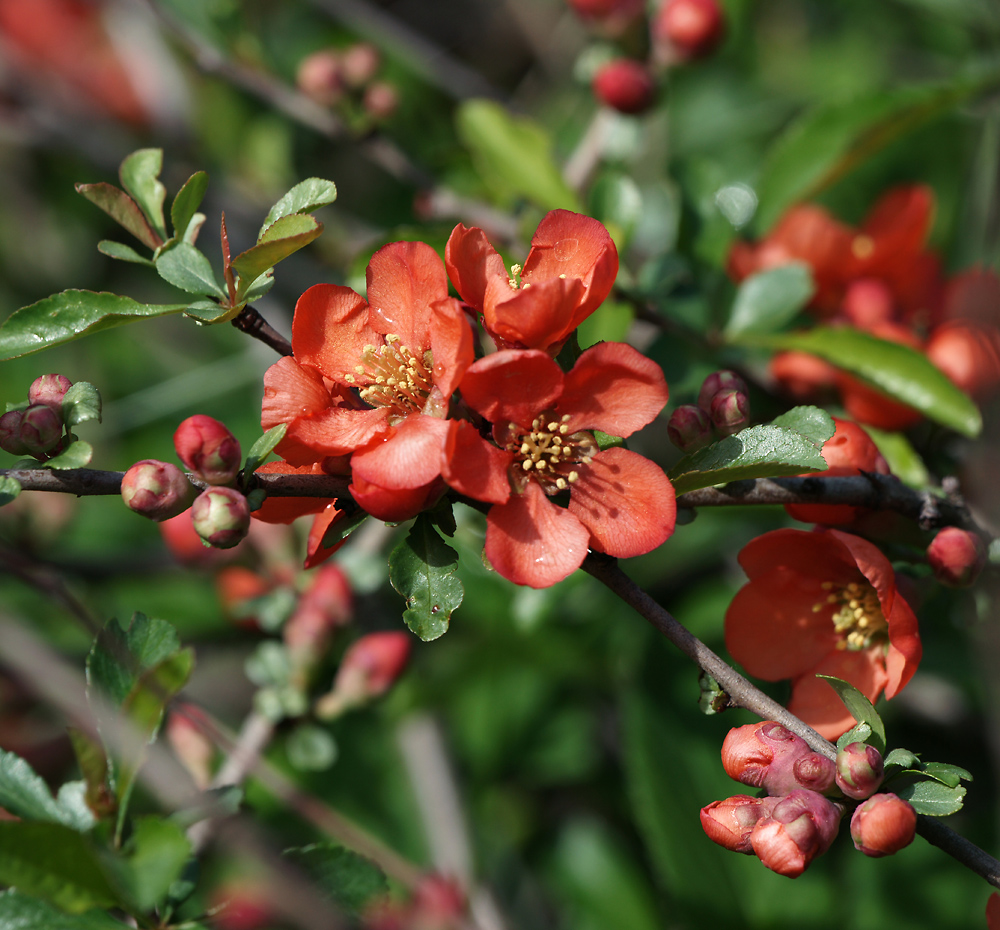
(679, 31)
(723, 409)
(347, 77)
(38, 429)
(800, 815)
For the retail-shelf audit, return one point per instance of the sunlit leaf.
(186, 267)
(281, 239)
(766, 301)
(76, 455)
(122, 209)
(9, 489)
(24, 794)
(861, 709)
(186, 203)
(122, 252)
(140, 176)
(928, 797)
(82, 402)
(306, 196)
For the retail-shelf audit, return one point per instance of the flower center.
(862, 246)
(858, 617)
(548, 452)
(391, 375)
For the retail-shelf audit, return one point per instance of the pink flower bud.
(10, 433)
(769, 756)
(367, 670)
(730, 412)
(690, 428)
(188, 741)
(208, 449)
(957, 556)
(359, 64)
(41, 429)
(241, 905)
(49, 390)
(883, 825)
(693, 27)
(221, 516)
(860, 770)
(801, 827)
(319, 76)
(381, 100)
(157, 490)
(868, 302)
(730, 822)
(625, 85)
(324, 606)
(438, 902)
(716, 382)
(603, 10)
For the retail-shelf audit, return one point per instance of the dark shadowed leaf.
(349, 879)
(82, 402)
(151, 861)
(9, 489)
(19, 911)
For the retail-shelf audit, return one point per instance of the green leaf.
(928, 797)
(25, 794)
(350, 880)
(68, 315)
(76, 455)
(812, 422)
(208, 311)
(766, 301)
(122, 252)
(19, 911)
(54, 862)
(151, 861)
(260, 287)
(281, 239)
(262, 448)
(904, 461)
(341, 529)
(306, 196)
(93, 762)
(861, 709)
(513, 154)
(186, 203)
(140, 176)
(311, 748)
(422, 569)
(903, 373)
(122, 209)
(859, 733)
(902, 758)
(9, 489)
(193, 228)
(82, 402)
(765, 451)
(947, 773)
(184, 266)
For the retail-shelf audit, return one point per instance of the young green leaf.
(151, 861)
(306, 196)
(93, 762)
(19, 911)
(766, 301)
(262, 448)
(24, 794)
(349, 879)
(82, 402)
(122, 252)
(69, 315)
(9, 489)
(812, 422)
(122, 209)
(902, 758)
(928, 797)
(281, 239)
(186, 203)
(946, 773)
(861, 709)
(208, 311)
(140, 176)
(76, 455)
(859, 733)
(186, 267)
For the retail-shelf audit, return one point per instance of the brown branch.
(249, 321)
(743, 694)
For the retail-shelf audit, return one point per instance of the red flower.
(822, 603)
(567, 276)
(619, 502)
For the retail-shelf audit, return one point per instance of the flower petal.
(512, 385)
(287, 509)
(625, 501)
(472, 263)
(536, 317)
(391, 505)
(315, 552)
(291, 391)
(531, 541)
(404, 279)
(451, 344)
(905, 648)
(613, 388)
(339, 430)
(475, 467)
(330, 329)
(409, 457)
(818, 556)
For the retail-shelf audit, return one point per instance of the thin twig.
(249, 321)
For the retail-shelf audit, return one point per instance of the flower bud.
(438, 902)
(10, 433)
(957, 556)
(41, 429)
(719, 381)
(692, 27)
(730, 822)
(800, 375)
(868, 302)
(157, 490)
(859, 770)
(241, 905)
(221, 516)
(624, 85)
(883, 825)
(49, 390)
(801, 827)
(607, 10)
(381, 100)
(769, 756)
(730, 412)
(359, 64)
(208, 449)
(993, 911)
(188, 741)
(319, 76)
(690, 428)
(367, 670)
(324, 606)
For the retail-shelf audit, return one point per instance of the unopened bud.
(359, 64)
(157, 490)
(730, 412)
(692, 27)
(41, 429)
(801, 827)
(324, 606)
(730, 822)
(860, 770)
(605, 10)
(10, 433)
(319, 76)
(690, 428)
(438, 902)
(368, 668)
(957, 556)
(883, 825)
(221, 516)
(241, 905)
(625, 85)
(208, 449)
(49, 390)
(381, 100)
(716, 382)
(193, 748)
(769, 756)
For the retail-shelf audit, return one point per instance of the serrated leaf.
(263, 447)
(19, 911)
(768, 300)
(903, 373)
(861, 709)
(124, 253)
(68, 315)
(82, 402)
(902, 758)
(306, 196)
(812, 422)
(25, 794)
(185, 205)
(927, 796)
(259, 288)
(76, 455)
(208, 311)
(422, 569)
(9, 489)
(151, 862)
(764, 451)
(859, 733)
(281, 239)
(140, 176)
(352, 881)
(122, 209)
(184, 266)
(513, 154)
(947, 773)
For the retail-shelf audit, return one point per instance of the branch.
(743, 694)
(249, 321)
